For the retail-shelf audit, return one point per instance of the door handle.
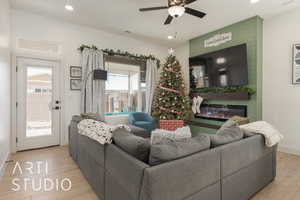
(56, 108)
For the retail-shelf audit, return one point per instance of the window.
(122, 91)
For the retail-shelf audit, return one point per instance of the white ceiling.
(119, 16)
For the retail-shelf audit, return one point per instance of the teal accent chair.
(142, 120)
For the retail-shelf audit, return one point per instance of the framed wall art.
(75, 84)
(296, 63)
(75, 72)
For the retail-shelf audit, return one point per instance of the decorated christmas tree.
(170, 99)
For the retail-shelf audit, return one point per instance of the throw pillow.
(94, 116)
(241, 120)
(159, 134)
(228, 133)
(168, 149)
(134, 145)
(229, 123)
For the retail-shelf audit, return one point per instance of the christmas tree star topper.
(171, 51)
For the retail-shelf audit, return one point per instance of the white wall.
(71, 36)
(5, 80)
(183, 53)
(281, 99)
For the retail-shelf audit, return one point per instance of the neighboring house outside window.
(123, 91)
(39, 102)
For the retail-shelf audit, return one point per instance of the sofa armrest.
(275, 149)
(150, 119)
(131, 119)
(73, 140)
(240, 154)
(182, 178)
(124, 174)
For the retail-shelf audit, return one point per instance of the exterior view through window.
(123, 89)
(39, 98)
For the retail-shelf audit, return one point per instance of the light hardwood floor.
(60, 165)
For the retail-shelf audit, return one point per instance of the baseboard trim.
(3, 166)
(289, 150)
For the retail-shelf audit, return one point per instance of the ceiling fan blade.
(189, 1)
(168, 20)
(154, 8)
(194, 12)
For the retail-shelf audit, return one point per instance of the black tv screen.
(226, 67)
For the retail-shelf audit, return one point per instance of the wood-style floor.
(60, 165)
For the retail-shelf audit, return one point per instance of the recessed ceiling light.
(170, 37)
(254, 1)
(69, 7)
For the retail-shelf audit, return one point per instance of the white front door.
(38, 104)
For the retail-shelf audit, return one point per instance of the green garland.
(83, 46)
(112, 52)
(225, 90)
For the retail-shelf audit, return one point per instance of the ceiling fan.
(177, 8)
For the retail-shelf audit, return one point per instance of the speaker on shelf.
(100, 74)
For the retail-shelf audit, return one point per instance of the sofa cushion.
(168, 149)
(159, 134)
(139, 131)
(94, 116)
(134, 145)
(229, 132)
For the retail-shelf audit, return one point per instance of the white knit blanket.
(99, 131)
(272, 136)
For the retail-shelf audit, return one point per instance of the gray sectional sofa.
(234, 171)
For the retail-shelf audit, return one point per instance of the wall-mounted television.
(226, 67)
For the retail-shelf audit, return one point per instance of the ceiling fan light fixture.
(176, 11)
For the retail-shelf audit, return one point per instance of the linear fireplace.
(221, 112)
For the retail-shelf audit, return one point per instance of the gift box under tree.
(171, 125)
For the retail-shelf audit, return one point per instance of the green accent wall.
(249, 31)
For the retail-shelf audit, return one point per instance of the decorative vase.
(171, 125)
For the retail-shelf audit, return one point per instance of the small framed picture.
(75, 84)
(296, 64)
(75, 72)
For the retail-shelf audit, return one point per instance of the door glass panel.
(39, 101)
